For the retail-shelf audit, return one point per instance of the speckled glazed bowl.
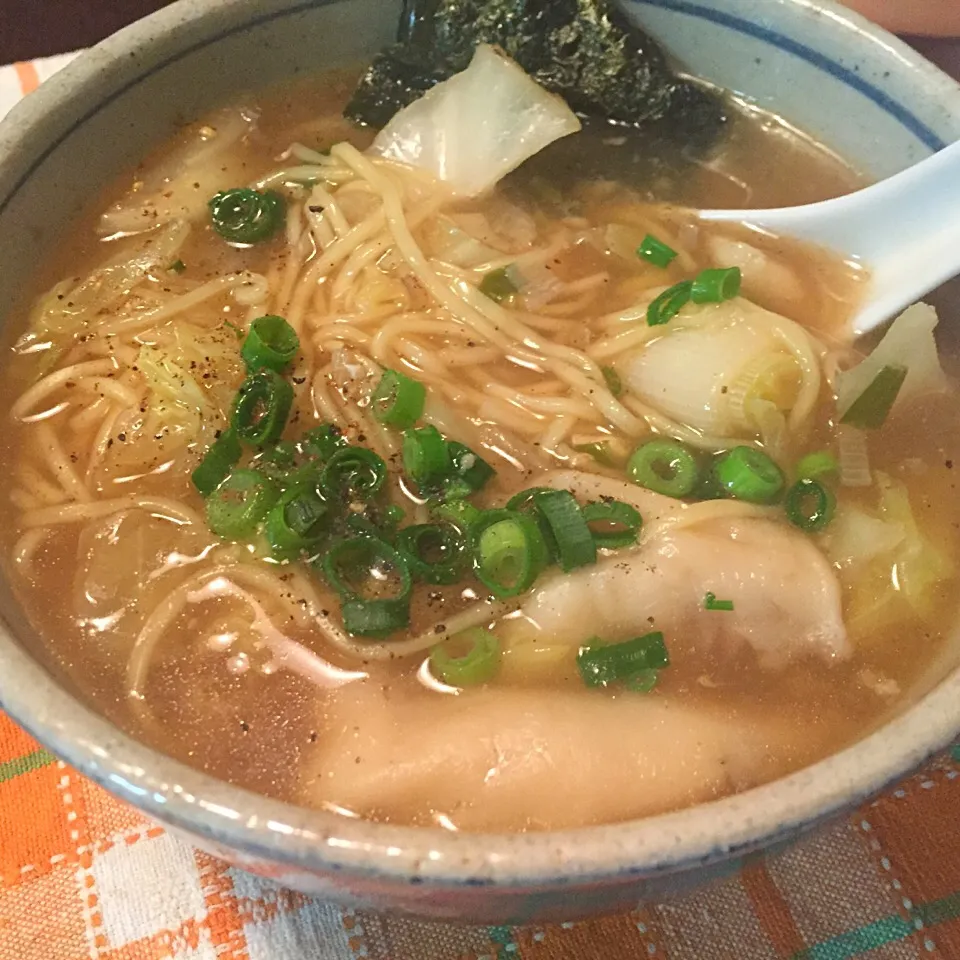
(854, 87)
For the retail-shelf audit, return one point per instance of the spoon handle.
(906, 229)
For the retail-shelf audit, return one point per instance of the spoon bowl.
(905, 230)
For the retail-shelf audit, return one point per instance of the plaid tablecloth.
(83, 876)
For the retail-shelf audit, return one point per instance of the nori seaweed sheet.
(587, 51)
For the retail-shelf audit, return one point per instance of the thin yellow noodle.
(559, 429)
(23, 500)
(88, 416)
(468, 356)
(79, 512)
(555, 406)
(294, 225)
(54, 381)
(42, 489)
(59, 464)
(109, 389)
(331, 210)
(621, 342)
(101, 442)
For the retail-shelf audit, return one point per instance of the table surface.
(883, 884)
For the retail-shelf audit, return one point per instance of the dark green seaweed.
(587, 51)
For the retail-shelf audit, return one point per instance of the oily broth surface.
(226, 709)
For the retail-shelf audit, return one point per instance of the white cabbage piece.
(909, 342)
(510, 759)
(471, 130)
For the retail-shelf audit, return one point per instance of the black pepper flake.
(244, 726)
(315, 208)
(949, 464)
(122, 437)
(313, 736)
(440, 628)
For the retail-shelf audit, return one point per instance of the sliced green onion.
(362, 567)
(498, 286)
(393, 516)
(375, 618)
(361, 525)
(297, 522)
(469, 467)
(435, 552)
(261, 408)
(665, 466)
(619, 523)
(178, 266)
(466, 659)
(354, 471)
(746, 473)
(816, 465)
(715, 286)
(656, 252)
(669, 303)
(271, 342)
(810, 505)
(526, 502)
(710, 602)
(323, 442)
(460, 513)
(613, 381)
(870, 410)
(246, 216)
(220, 459)
(509, 551)
(574, 539)
(236, 508)
(643, 681)
(426, 456)
(398, 401)
(602, 664)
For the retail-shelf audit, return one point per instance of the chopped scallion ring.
(509, 551)
(236, 508)
(355, 471)
(715, 286)
(220, 459)
(375, 618)
(466, 659)
(468, 467)
(614, 524)
(261, 407)
(748, 474)
(669, 303)
(245, 216)
(296, 522)
(810, 505)
(364, 569)
(434, 552)
(426, 456)
(656, 252)
(816, 465)
(271, 342)
(398, 400)
(665, 466)
(498, 286)
(570, 532)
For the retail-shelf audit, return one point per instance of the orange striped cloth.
(83, 876)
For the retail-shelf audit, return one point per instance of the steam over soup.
(395, 476)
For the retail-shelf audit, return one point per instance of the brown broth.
(225, 708)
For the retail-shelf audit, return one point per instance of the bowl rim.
(323, 842)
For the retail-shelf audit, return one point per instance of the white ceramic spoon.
(905, 229)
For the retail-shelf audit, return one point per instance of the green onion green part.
(215, 467)
(816, 465)
(434, 552)
(498, 286)
(665, 466)
(710, 602)
(748, 474)
(354, 471)
(271, 342)
(426, 456)
(643, 681)
(871, 409)
(398, 400)
(669, 303)
(296, 522)
(261, 407)
(612, 523)
(466, 659)
(469, 468)
(323, 442)
(461, 513)
(245, 216)
(178, 266)
(715, 286)
(602, 664)
(574, 541)
(656, 252)
(810, 505)
(509, 551)
(237, 507)
(375, 618)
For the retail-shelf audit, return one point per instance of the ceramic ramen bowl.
(850, 85)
